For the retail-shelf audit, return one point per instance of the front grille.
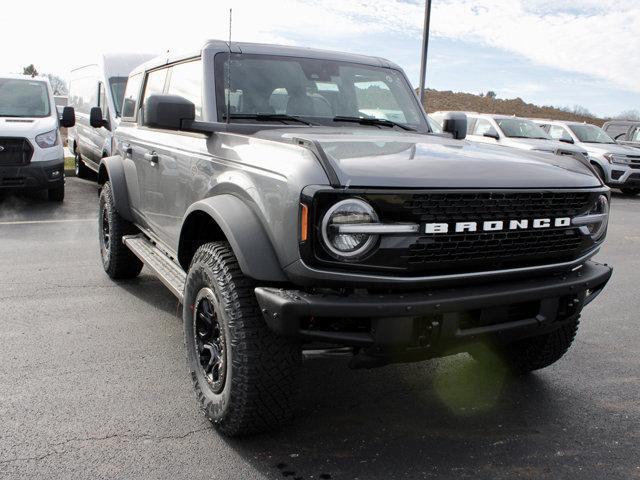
(15, 151)
(450, 253)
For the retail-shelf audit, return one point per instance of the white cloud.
(593, 37)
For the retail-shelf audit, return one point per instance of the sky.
(548, 52)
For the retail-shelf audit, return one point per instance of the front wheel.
(630, 192)
(244, 375)
(532, 353)
(118, 261)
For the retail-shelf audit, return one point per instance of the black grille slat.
(15, 151)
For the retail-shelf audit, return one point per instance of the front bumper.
(428, 323)
(621, 175)
(33, 176)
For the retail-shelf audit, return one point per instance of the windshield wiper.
(269, 116)
(374, 121)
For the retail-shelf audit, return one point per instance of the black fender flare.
(244, 232)
(112, 169)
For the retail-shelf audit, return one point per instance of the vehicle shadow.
(446, 417)
(151, 291)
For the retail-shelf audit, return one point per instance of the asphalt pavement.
(93, 382)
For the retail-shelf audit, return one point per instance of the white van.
(98, 85)
(31, 153)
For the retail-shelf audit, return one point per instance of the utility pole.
(425, 48)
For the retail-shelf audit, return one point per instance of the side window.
(617, 132)
(186, 81)
(131, 97)
(482, 127)
(558, 133)
(154, 84)
(636, 135)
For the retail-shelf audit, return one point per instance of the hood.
(376, 158)
(541, 145)
(26, 126)
(599, 149)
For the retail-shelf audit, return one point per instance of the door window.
(102, 101)
(131, 93)
(482, 126)
(636, 135)
(154, 84)
(186, 81)
(559, 133)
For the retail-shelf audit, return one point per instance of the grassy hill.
(447, 100)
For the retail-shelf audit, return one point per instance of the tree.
(628, 115)
(58, 85)
(30, 70)
(491, 94)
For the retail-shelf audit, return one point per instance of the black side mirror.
(95, 118)
(68, 117)
(455, 124)
(492, 134)
(168, 112)
(566, 140)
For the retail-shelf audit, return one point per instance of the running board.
(166, 269)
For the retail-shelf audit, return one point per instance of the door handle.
(151, 157)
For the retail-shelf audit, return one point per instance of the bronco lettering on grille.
(497, 225)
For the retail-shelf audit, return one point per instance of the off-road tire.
(56, 194)
(82, 171)
(630, 192)
(261, 368)
(118, 261)
(533, 353)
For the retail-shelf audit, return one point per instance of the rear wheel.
(630, 191)
(118, 261)
(82, 171)
(532, 353)
(244, 375)
(56, 194)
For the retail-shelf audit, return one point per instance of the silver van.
(98, 85)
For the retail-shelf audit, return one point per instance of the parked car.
(98, 85)
(31, 153)
(626, 132)
(284, 218)
(515, 132)
(618, 165)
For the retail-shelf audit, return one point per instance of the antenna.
(229, 70)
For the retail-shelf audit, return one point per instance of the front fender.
(112, 169)
(245, 233)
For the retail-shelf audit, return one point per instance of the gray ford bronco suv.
(296, 199)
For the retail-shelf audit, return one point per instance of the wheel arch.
(225, 217)
(111, 169)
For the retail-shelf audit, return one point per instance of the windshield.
(317, 91)
(519, 128)
(118, 84)
(591, 134)
(24, 98)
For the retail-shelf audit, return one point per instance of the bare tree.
(628, 115)
(58, 85)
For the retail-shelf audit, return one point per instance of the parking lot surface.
(93, 382)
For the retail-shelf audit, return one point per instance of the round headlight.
(599, 229)
(348, 245)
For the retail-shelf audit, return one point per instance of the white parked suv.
(31, 152)
(515, 132)
(618, 165)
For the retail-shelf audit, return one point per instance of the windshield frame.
(220, 82)
(525, 121)
(47, 100)
(588, 125)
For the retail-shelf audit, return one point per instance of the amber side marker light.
(304, 222)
